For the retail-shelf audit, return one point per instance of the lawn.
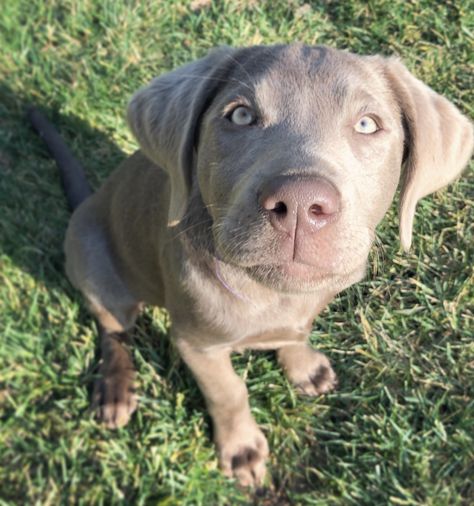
(399, 429)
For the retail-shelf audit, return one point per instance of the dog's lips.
(293, 270)
(288, 268)
(316, 256)
(292, 276)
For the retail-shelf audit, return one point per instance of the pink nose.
(307, 203)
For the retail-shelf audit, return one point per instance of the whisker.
(190, 227)
(231, 56)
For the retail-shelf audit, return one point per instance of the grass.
(399, 428)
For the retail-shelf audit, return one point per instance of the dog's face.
(298, 159)
(296, 153)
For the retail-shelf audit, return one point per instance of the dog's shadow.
(34, 216)
(34, 213)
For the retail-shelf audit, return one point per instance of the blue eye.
(366, 125)
(242, 116)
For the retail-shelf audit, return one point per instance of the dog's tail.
(73, 177)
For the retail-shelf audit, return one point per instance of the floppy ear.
(164, 117)
(438, 141)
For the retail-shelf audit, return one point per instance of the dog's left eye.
(366, 125)
(242, 116)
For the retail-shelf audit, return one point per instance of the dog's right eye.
(242, 116)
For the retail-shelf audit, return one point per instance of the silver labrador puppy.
(261, 176)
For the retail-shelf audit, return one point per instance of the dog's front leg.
(241, 446)
(114, 398)
(308, 370)
(114, 390)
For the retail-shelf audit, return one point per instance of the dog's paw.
(308, 370)
(320, 380)
(114, 399)
(243, 452)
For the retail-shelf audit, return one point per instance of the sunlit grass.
(399, 428)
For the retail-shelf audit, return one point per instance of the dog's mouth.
(291, 277)
(291, 264)
(301, 275)
(284, 265)
(290, 271)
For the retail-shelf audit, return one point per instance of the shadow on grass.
(33, 209)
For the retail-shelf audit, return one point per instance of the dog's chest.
(253, 317)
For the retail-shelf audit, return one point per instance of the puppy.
(253, 200)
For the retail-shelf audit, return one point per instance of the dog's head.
(296, 153)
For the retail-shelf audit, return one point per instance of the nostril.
(280, 208)
(292, 203)
(316, 210)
